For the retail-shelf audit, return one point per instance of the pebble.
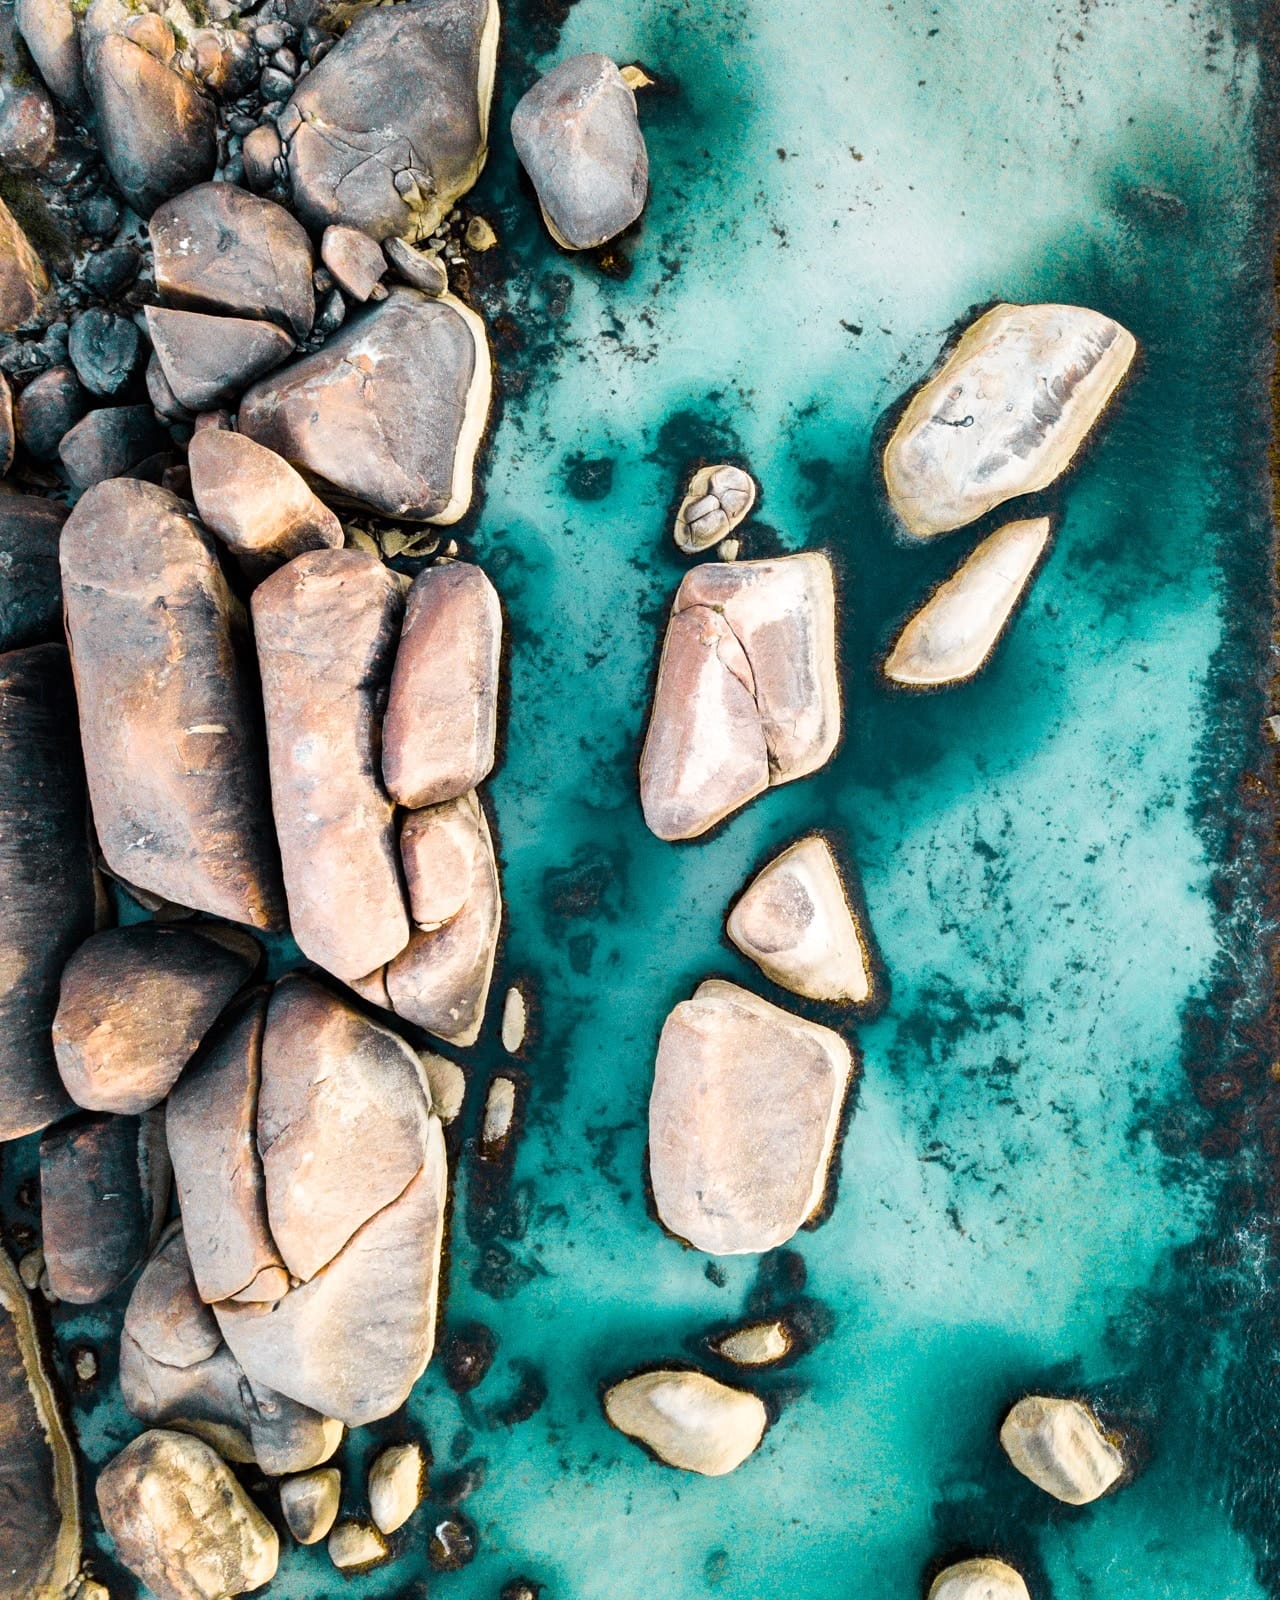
(260, 151)
(479, 235)
(397, 1479)
(275, 85)
(107, 272)
(356, 1546)
(310, 1503)
(105, 350)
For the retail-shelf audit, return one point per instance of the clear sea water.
(1058, 1170)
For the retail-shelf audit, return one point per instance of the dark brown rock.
(30, 588)
(208, 360)
(28, 129)
(23, 281)
(260, 152)
(47, 408)
(255, 502)
(354, 259)
(109, 443)
(166, 705)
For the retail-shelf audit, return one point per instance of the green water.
(1055, 1174)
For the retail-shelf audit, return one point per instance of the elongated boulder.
(441, 725)
(30, 589)
(326, 626)
(255, 502)
(1004, 414)
(743, 1119)
(134, 1004)
(217, 248)
(954, 632)
(389, 412)
(167, 710)
(747, 693)
(578, 137)
(688, 1419)
(1060, 1445)
(48, 30)
(207, 361)
(984, 1578)
(795, 922)
(392, 126)
(757, 1344)
(23, 281)
(180, 1521)
(47, 879)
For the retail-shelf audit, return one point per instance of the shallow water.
(1055, 1174)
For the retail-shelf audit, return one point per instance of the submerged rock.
(310, 1503)
(715, 503)
(688, 1419)
(747, 693)
(397, 1480)
(390, 411)
(23, 281)
(758, 1344)
(1059, 1444)
(795, 922)
(578, 137)
(30, 588)
(1004, 414)
(255, 502)
(954, 632)
(982, 1579)
(208, 360)
(743, 1119)
(391, 127)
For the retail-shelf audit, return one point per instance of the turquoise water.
(1056, 1172)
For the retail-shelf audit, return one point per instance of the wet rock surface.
(1060, 1445)
(30, 588)
(688, 1419)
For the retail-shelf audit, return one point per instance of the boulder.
(578, 137)
(48, 886)
(1004, 414)
(326, 627)
(391, 127)
(167, 708)
(715, 503)
(104, 349)
(354, 259)
(757, 1344)
(982, 1579)
(47, 408)
(515, 1020)
(499, 1116)
(421, 269)
(39, 1502)
(207, 361)
(310, 1503)
(23, 281)
(688, 1419)
(743, 1119)
(28, 127)
(397, 1481)
(954, 632)
(109, 443)
(135, 1002)
(390, 411)
(1060, 1445)
(438, 847)
(30, 588)
(48, 29)
(181, 1523)
(255, 502)
(441, 725)
(795, 922)
(356, 1546)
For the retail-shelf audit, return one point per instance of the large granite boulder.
(688, 1419)
(578, 137)
(983, 1578)
(255, 502)
(747, 693)
(207, 361)
(48, 887)
(30, 588)
(1061, 1446)
(392, 126)
(389, 412)
(743, 1118)
(167, 709)
(1004, 413)
(23, 281)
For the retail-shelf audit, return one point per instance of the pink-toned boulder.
(207, 361)
(255, 502)
(438, 847)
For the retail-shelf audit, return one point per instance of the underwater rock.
(47, 879)
(688, 1419)
(39, 1502)
(135, 1003)
(452, 1543)
(48, 30)
(356, 1546)
(30, 588)
(743, 1118)
(23, 281)
(758, 1344)
(208, 360)
(1004, 414)
(578, 137)
(310, 1503)
(166, 710)
(954, 632)
(180, 1521)
(397, 1479)
(440, 729)
(391, 127)
(217, 248)
(255, 502)
(716, 501)
(355, 260)
(326, 626)
(795, 922)
(389, 412)
(109, 443)
(438, 847)
(984, 1578)
(48, 408)
(1059, 1444)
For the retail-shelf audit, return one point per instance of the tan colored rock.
(355, 260)
(420, 269)
(310, 1503)
(166, 707)
(954, 633)
(795, 922)
(716, 501)
(255, 502)
(326, 628)
(181, 1523)
(982, 1579)
(499, 1115)
(439, 847)
(48, 30)
(24, 283)
(688, 1419)
(757, 1344)
(356, 1547)
(441, 725)
(743, 1119)
(1060, 1445)
(207, 361)
(397, 1481)
(448, 1084)
(1004, 414)
(515, 1020)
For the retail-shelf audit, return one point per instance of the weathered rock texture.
(47, 408)
(390, 411)
(688, 1419)
(167, 709)
(47, 880)
(1004, 414)
(1059, 1444)
(255, 502)
(714, 504)
(30, 590)
(757, 1344)
(747, 693)
(208, 360)
(742, 1119)
(984, 1578)
(578, 137)
(23, 281)
(392, 126)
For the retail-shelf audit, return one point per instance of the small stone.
(208, 360)
(163, 400)
(47, 408)
(310, 1503)
(688, 1419)
(499, 1115)
(452, 1544)
(48, 29)
(24, 283)
(715, 502)
(1004, 415)
(578, 137)
(84, 1363)
(255, 502)
(758, 1344)
(955, 631)
(479, 235)
(469, 1351)
(99, 215)
(28, 130)
(260, 152)
(397, 1479)
(356, 1547)
(982, 1579)
(355, 260)
(1059, 1444)
(181, 1523)
(30, 587)
(515, 1020)
(31, 1269)
(448, 1085)
(109, 443)
(110, 271)
(423, 269)
(104, 350)
(274, 84)
(521, 1589)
